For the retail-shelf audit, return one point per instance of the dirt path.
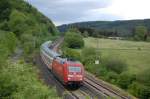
(17, 55)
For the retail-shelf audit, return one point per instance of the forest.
(124, 28)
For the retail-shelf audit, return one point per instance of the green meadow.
(135, 54)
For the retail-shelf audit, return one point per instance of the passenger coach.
(67, 71)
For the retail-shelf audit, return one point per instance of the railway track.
(108, 89)
(103, 89)
(91, 89)
(51, 81)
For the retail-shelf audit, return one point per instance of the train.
(68, 72)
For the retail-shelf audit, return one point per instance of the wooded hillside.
(21, 18)
(24, 28)
(124, 28)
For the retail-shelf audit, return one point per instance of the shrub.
(85, 34)
(148, 39)
(140, 33)
(144, 77)
(11, 41)
(93, 68)
(5, 9)
(3, 55)
(102, 71)
(20, 81)
(89, 55)
(73, 40)
(7, 87)
(134, 88)
(144, 92)
(17, 22)
(71, 53)
(28, 48)
(112, 77)
(115, 64)
(139, 90)
(136, 38)
(125, 79)
(7, 46)
(8, 40)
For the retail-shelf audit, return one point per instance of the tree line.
(125, 29)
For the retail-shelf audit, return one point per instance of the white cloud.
(129, 9)
(68, 11)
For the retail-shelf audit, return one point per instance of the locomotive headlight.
(80, 76)
(69, 78)
(70, 75)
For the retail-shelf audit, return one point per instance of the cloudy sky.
(70, 11)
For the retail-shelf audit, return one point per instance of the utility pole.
(97, 51)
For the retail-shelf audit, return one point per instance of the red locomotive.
(67, 71)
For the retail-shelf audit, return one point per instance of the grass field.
(136, 54)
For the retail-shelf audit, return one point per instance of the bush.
(89, 55)
(8, 44)
(5, 9)
(7, 87)
(111, 77)
(144, 77)
(73, 40)
(148, 39)
(139, 90)
(95, 69)
(115, 64)
(17, 22)
(140, 32)
(125, 79)
(134, 88)
(136, 38)
(8, 40)
(71, 53)
(3, 55)
(144, 92)
(11, 41)
(20, 81)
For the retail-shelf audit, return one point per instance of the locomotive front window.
(74, 69)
